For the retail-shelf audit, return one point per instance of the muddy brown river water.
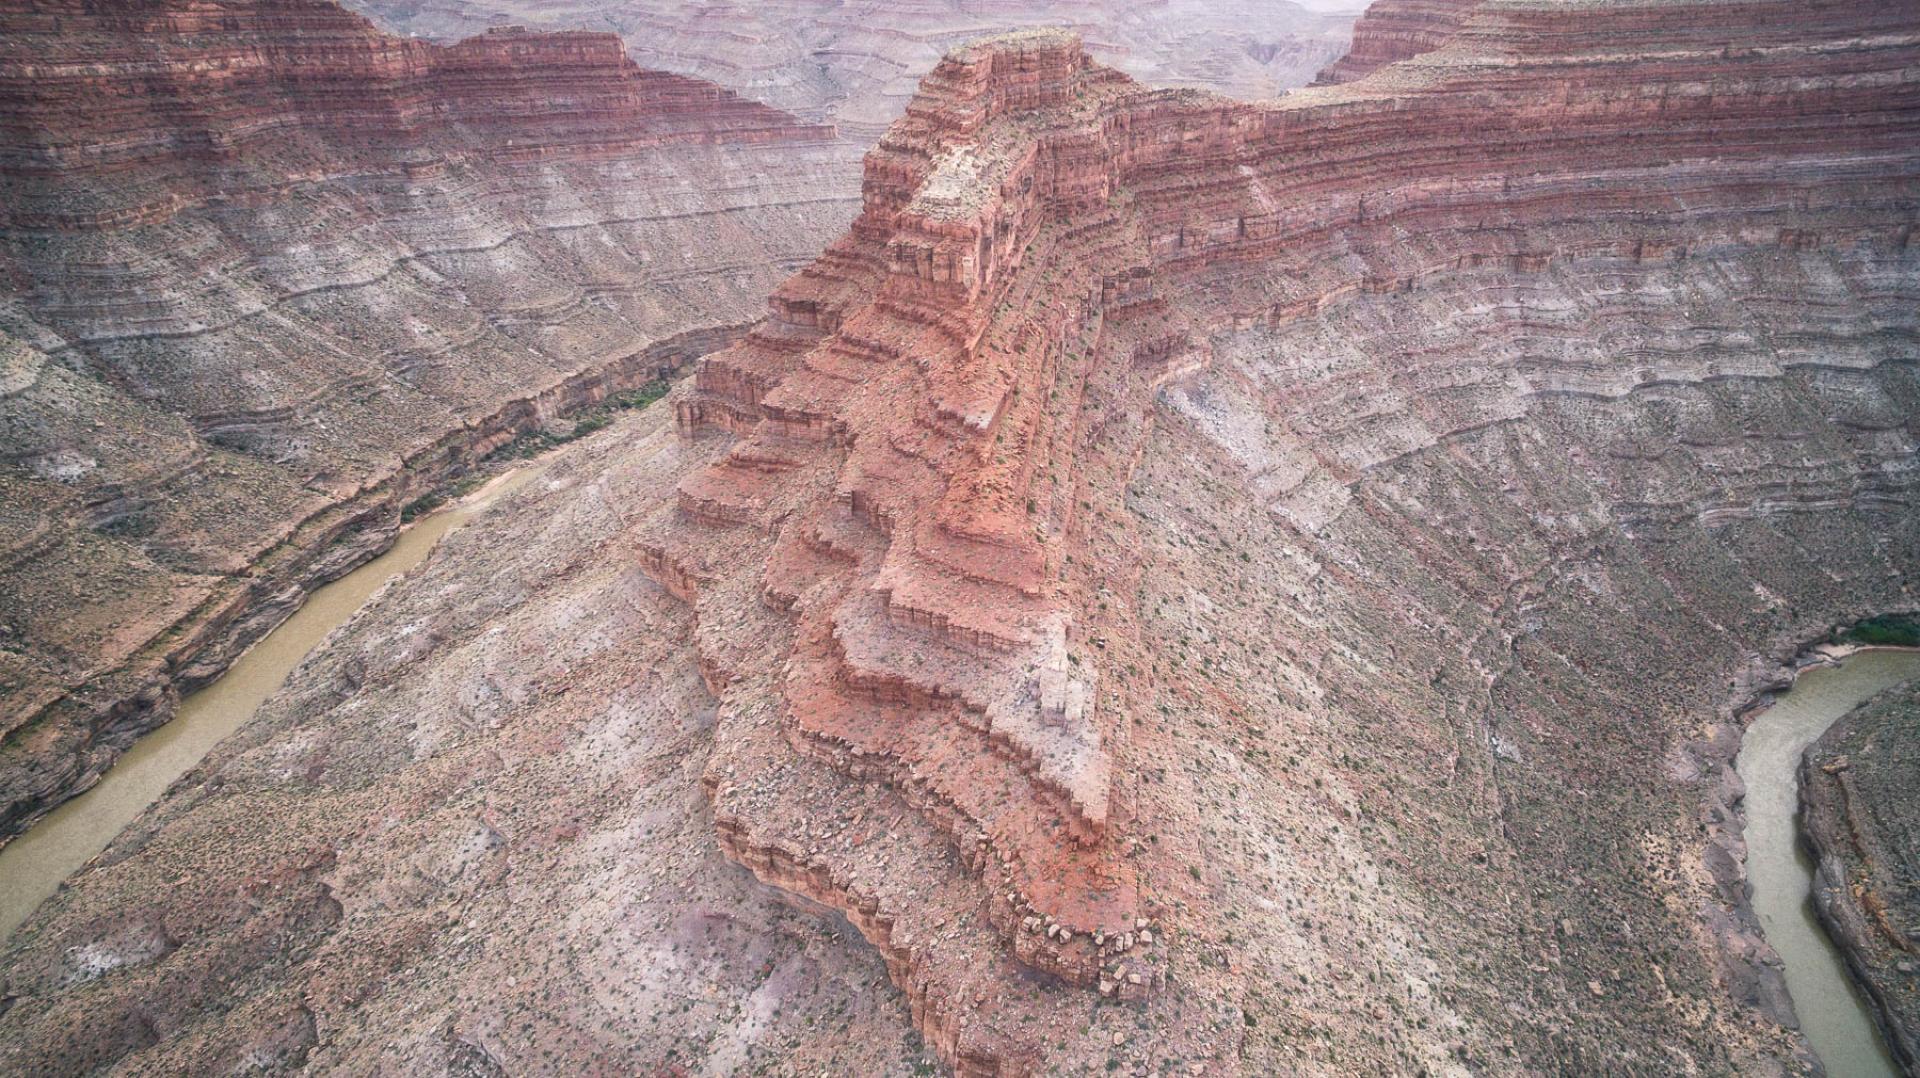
(33, 865)
(1831, 1009)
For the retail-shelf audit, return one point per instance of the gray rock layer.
(268, 273)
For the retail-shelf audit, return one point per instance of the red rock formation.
(921, 432)
(1201, 586)
(858, 65)
(1393, 30)
(128, 114)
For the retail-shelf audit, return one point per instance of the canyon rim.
(1133, 579)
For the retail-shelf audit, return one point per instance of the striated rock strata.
(857, 65)
(1397, 30)
(469, 838)
(1857, 810)
(266, 273)
(1540, 364)
(1199, 586)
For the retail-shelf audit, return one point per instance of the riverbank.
(62, 748)
(1858, 813)
(486, 782)
(60, 843)
(1832, 1014)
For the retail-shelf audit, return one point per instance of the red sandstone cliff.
(1203, 587)
(117, 115)
(1393, 30)
(928, 434)
(858, 65)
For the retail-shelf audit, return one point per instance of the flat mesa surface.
(1860, 805)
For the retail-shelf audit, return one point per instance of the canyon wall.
(858, 65)
(1477, 437)
(468, 838)
(1395, 30)
(269, 273)
(1197, 585)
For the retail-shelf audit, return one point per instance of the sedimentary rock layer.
(1374, 326)
(857, 65)
(469, 838)
(269, 272)
(1858, 810)
(1397, 30)
(1207, 586)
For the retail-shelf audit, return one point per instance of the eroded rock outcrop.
(468, 838)
(929, 440)
(266, 273)
(1397, 30)
(857, 66)
(1233, 588)
(1857, 808)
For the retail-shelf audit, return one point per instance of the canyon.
(272, 274)
(1181, 585)
(1105, 380)
(857, 65)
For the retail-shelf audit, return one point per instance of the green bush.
(640, 398)
(1890, 630)
(424, 504)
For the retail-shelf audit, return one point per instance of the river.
(33, 865)
(1832, 1012)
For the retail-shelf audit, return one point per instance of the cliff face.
(857, 65)
(1431, 450)
(269, 272)
(133, 114)
(1207, 586)
(1393, 30)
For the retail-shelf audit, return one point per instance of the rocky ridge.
(1200, 586)
(857, 66)
(922, 434)
(1857, 811)
(271, 273)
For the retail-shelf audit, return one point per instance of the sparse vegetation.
(1890, 630)
(534, 443)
